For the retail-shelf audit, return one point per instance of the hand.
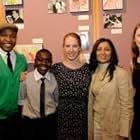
(23, 75)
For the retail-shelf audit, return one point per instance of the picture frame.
(28, 50)
(12, 2)
(14, 15)
(84, 36)
(112, 20)
(78, 5)
(112, 4)
(57, 6)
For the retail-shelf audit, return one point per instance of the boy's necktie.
(42, 98)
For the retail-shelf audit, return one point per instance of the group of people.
(80, 101)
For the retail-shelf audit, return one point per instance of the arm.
(22, 93)
(90, 114)
(126, 103)
(21, 97)
(56, 95)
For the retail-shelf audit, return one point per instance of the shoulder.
(55, 66)
(52, 78)
(86, 67)
(121, 73)
(86, 64)
(120, 70)
(21, 60)
(30, 76)
(31, 73)
(51, 75)
(21, 56)
(29, 79)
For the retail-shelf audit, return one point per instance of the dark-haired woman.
(110, 107)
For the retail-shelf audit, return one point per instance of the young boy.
(39, 121)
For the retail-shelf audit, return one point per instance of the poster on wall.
(78, 5)
(12, 2)
(15, 15)
(28, 50)
(56, 6)
(112, 20)
(112, 4)
(84, 35)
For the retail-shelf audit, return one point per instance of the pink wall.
(52, 27)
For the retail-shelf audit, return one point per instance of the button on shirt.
(12, 57)
(29, 95)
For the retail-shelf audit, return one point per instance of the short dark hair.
(43, 51)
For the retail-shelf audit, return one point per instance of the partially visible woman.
(110, 107)
(135, 68)
(73, 79)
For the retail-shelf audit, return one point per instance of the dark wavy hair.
(134, 47)
(93, 63)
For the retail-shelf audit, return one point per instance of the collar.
(103, 66)
(3, 53)
(38, 76)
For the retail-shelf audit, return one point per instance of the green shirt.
(9, 86)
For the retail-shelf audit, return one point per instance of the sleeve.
(56, 95)
(22, 93)
(90, 114)
(126, 94)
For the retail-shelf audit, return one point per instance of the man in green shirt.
(12, 64)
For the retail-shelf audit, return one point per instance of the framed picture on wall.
(56, 6)
(28, 50)
(78, 5)
(84, 35)
(12, 2)
(112, 4)
(113, 20)
(14, 15)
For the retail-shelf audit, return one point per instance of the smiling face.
(7, 39)
(43, 61)
(103, 52)
(71, 47)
